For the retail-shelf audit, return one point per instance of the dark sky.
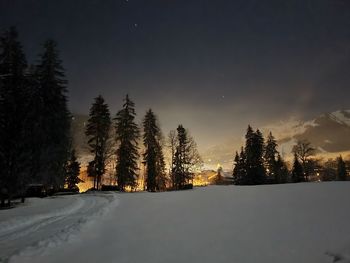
(214, 66)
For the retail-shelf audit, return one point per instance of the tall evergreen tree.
(98, 133)
(153, 156)
(55, 117)
(341, 169)
(72, 171)
(297, 171)
(13, 110)
(270, 155)
(254, 157)
(239, 171)
(180, 171)
(186, 158)
(236, 168)
(127, 135)
(281, 171)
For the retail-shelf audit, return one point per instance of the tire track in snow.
(34, 236)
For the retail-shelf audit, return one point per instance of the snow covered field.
(280, 223)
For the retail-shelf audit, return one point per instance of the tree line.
(36, 140)
(259, 162)
(126, 143)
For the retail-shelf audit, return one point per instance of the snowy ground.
(281, 223)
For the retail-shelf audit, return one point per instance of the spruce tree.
(127, 135)
(98, 133)
(72, 172)
(13, 111)
(180, 171)
(186, 158)
(55, 117)
(236, 169)
(153, 156)
(341, 169)
(254, 157)
(297, 171)
(281, 171)
(270, 155)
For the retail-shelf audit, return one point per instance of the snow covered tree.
(127, 135)
(13, 112)
(153, 156)
(297, 171)
(270, 155)
(72, 172)
(341, 169)
(55, 117)
(98, 133)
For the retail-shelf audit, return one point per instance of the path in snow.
(46, 222)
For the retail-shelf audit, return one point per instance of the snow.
(49, 221)
(306, 222)
(341, 117)
(289, 128)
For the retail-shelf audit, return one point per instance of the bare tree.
(171, 144)
(303, 150)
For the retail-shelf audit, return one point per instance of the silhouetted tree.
(297, 171)
(281, 171)
(172, 144)
(239, 172)
(98, 131)
(219, 178)
(153, 156)
(13, 112)
(254, 149)
(54, 120)
(304, 150)
(270, 155)
(341, 169)
(127, 135)
(186, 158)
(72, 171)
(329, 171)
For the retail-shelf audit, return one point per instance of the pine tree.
(254, 157)
(236, 169)
(281, 171)
(297, 171)
(55, 117)
(186, 158)
(270, 154)
(13, 111)
(180, 171)
(127, 135)
(153, 156)
(72, 172)
(341, 169)
(98, 133)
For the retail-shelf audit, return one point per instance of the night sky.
(213, 66)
